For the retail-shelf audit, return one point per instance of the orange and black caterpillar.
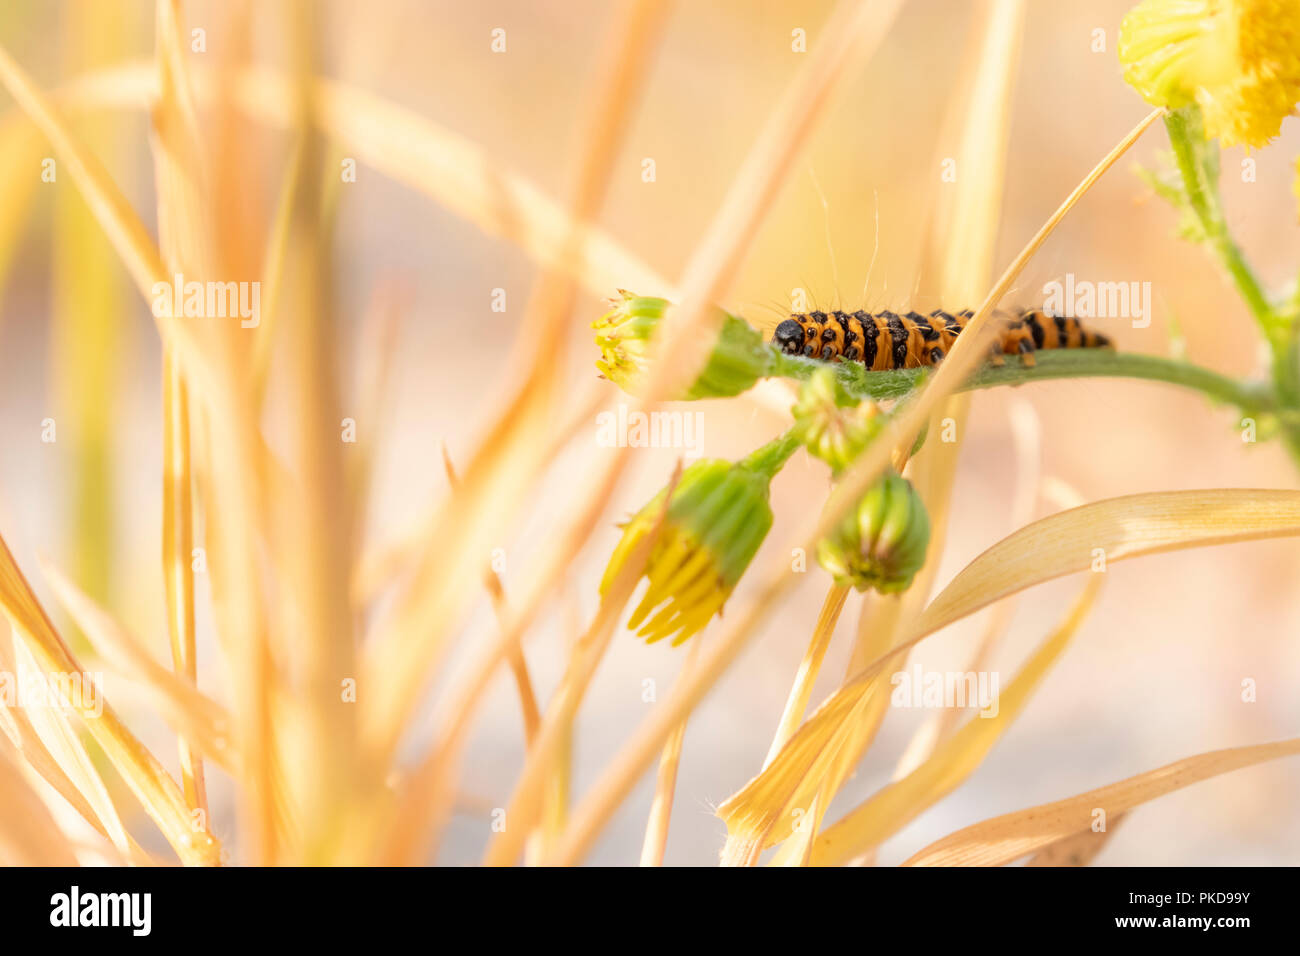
(886, 340)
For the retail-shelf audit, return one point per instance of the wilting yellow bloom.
(1239, 60)
(832, 425)
(716, 520)
(740, 357)
(882, 542)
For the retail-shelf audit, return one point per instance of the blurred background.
(1156, 672)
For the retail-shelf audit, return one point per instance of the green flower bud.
(716, 520)
(882, 542)
(740, 357)
(830, 423)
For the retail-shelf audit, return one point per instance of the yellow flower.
(716, 520)
(1239, 60)
(740, 356)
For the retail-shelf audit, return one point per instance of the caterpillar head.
(788, 337)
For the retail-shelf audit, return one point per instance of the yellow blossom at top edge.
(1295, 188)
(1239, 60)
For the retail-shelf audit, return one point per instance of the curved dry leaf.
(771, 798)
(1078, 850)
(800, 693)
(1052, 547)
(743, 848)
(1013, 835)
(1113, 530)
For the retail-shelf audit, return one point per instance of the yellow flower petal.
(1239, 60)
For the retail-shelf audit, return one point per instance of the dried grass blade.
(1013, 835)
(1124, 527)
(797, 703)
(953, 761)
(1027, 441)
(528, 800)
(743, 848)
(20, 733)
(330, 779)
(234, 460)
(44, 734)
(177, 557)
(518, 663)
(661, 807)
(455, 172)
(1078, 850)
(273, 267)
(124, 229)
(146, 777)
(198, 717)
(411, 645)
(28, 836)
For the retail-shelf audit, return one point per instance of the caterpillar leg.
(1026, 348)
(1017, 340)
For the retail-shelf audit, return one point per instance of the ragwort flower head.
(1239, 60)
(739, 359)
(715, 521)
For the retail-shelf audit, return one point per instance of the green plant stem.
(772, 457)
(1198, 162)
(1065, 363)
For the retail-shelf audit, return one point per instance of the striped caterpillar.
(886, 340)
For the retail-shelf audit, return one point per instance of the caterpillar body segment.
(887, 340)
